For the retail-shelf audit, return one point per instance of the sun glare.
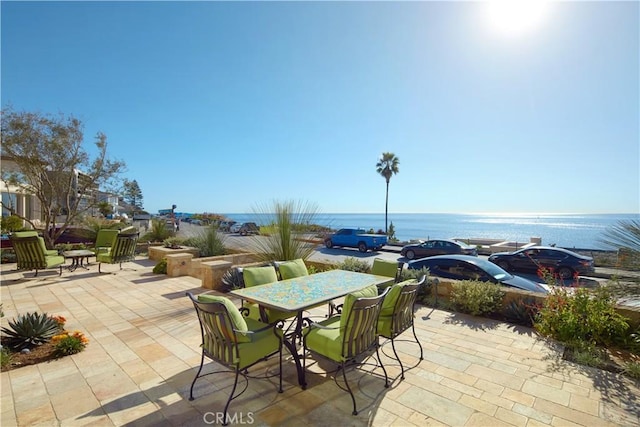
(516, 17)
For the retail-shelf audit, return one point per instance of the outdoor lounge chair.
(396, 315)
(232, 340)
(123, 250)
(343, 339)
(32, 254)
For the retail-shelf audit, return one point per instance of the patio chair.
(105, 239)
(123, 250)
(256, 276)
(32, 254)
(233, 341)
(344, 339)
(291, 269)
(382, 267)
(397, 315)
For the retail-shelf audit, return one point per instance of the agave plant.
(30, 330)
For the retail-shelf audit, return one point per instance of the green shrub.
(172, 242)
(585, 315)
(209, 242)
(476, 298)
(354, 264)
(5, 357)
(161, 267)
(632, 369)
(30, 330)
(158, 233)
(11, 223)
(585, 353)
(522, 311)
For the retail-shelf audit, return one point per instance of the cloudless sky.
(225, 106)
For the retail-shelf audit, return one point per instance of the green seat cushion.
(53, 260)
(104, 255)
(384, 268)
(368, 292)
(239, 322)
(258, 345)
(327, 342)
(254, 276)
(291, 269)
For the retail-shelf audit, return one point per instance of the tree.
(387, 166)
(105, 208)
(52, 165)
(132, 194)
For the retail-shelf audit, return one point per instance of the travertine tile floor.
(143, 354)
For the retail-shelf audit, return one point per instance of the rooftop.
(144, 352)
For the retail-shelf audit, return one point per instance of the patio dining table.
(301, 293)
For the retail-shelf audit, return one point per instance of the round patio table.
(77, 258)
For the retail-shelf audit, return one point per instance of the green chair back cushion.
(385, 268)
(291, 269)
(254, 276)
(237, 319)
(389, 302)
(105, 239)
(368, 292)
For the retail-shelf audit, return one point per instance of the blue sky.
(225, 106)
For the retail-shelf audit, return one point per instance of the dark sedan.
(566, 264)
(465, 267)
(437, 247)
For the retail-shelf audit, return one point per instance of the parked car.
(437, 247)
(76, 234)
(466, 267)
(235, 228)
(563, 262)
(356, 238)
(249, 228)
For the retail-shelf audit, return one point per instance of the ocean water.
(579, 231)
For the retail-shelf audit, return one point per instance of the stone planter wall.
(156, 253)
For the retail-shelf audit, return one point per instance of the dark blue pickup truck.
(355, 238)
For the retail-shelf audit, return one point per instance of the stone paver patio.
(143, 354)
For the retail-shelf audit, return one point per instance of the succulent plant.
(30, 330)
(232, 279)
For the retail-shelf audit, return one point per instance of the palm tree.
(387, 166)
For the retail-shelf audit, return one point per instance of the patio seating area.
(144, 352)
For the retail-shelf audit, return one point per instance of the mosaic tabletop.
(301, 292)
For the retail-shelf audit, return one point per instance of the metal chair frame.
(216, 325)
(359, 338)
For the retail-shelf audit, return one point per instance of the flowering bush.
(68, 343)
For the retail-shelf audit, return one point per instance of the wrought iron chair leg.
(398, 358)
(99, 264)
(280, 389)
(225, 422)
(416, 337)
(386, 377)
(197, 374)
(36, 275)
(353, 398)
